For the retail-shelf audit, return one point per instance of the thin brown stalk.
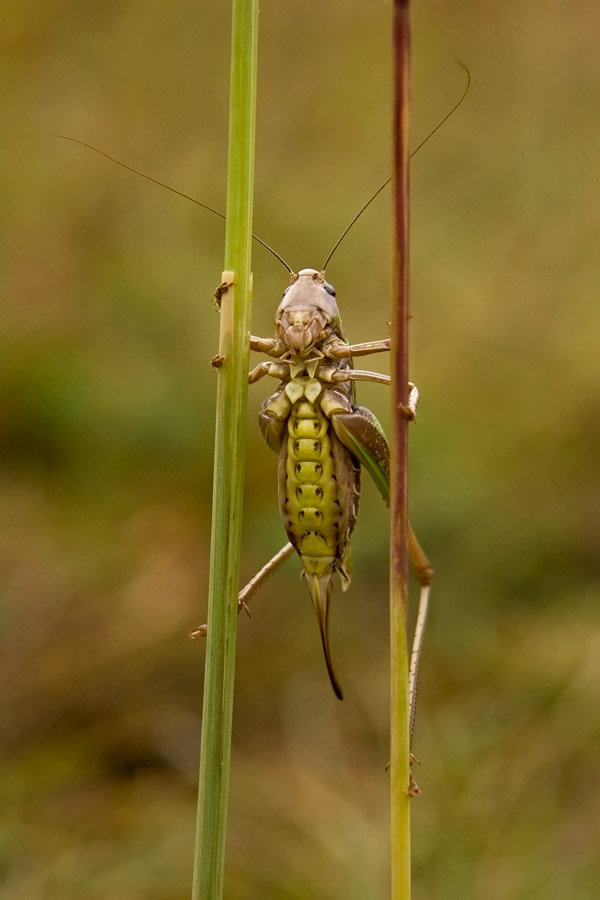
(399, 705)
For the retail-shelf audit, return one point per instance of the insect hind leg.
(424, 574)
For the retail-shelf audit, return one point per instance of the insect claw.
(222, 289)
(411, 759)
(199, 632)
(217, 361)
(413, 788)
(407, 412)
(242, 605)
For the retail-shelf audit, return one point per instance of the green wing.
(362, 434)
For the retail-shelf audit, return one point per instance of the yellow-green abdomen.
(312, 505)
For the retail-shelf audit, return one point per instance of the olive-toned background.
(107, 401)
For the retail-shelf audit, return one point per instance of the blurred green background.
(106, 409)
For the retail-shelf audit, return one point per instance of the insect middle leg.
(376, 377)
(343, 351)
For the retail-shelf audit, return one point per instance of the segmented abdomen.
(312, 508)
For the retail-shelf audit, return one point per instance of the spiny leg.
(424, 575)
(410, 409)
(343, 351)
(360, 375)
(253, 585)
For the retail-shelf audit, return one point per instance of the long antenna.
(173, 190)
(385, 183)
(259, 240)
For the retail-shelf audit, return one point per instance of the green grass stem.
(236, 306)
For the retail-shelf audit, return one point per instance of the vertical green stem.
(399, 701)
(236, 305)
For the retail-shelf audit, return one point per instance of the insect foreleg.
(271, 346)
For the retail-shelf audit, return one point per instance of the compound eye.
(330, 289)
(287, 289)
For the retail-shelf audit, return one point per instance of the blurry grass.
(106, 404)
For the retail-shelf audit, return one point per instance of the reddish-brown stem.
(399, 707)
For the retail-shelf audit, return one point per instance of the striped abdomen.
(311, 510)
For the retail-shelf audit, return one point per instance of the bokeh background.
(107, 403)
